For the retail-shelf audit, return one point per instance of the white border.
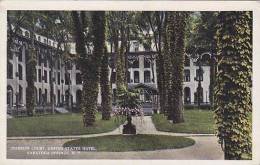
(137, 6)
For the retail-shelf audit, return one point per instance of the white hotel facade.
(67, 80)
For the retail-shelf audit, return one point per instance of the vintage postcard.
(133, 81)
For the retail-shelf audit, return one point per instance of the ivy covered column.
(233, 83)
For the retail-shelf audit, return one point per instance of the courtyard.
(190, 145)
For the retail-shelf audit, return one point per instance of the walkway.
(206, 146)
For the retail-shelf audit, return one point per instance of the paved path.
(206, 146)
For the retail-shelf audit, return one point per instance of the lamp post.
(199, 79)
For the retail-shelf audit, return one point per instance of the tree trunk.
(176, 45)
(106, 103)
(233, 83)
(90, 64)
(31, 75)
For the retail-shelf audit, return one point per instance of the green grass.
(59, 124)
(122, 143)
(196, 121)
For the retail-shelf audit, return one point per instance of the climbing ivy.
(233, 81)
(106, 100)
(176, 34)
(30, 77)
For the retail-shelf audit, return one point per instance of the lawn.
(196, 121)
(59, 124)
(122, 143)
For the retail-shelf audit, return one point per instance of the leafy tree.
(176, 33)
(128, 98)
(90, 64)
(233, 83)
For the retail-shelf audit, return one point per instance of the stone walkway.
(205, 147)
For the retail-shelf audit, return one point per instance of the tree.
(55, 25)
(233, 83)
(90, 63)
(176, 33)
(27, 19)
(106, 100)
(157, 22)
(200, 38)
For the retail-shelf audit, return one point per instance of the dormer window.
(39, 38)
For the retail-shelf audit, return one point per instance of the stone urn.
(129, 128)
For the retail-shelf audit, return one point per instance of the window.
(45, 76)
(58, 78)
(9, 96)
(146, 63)
(39, 38)
(67, 78)
(58, 64)
(78, 78)
(136, 63)
(199, 75)
(186, 75)
(39, 75)
(20, 72)
(20, 94)
(128, 77)
(20, 54)
(50, 80)
(147, 76)
(113, 77)
(187, 95)
(187, 61)
(45, 95)
(45, 41)
(59, 96)
(9, 70)
(40, 96)
(136, 77)
(136, 46)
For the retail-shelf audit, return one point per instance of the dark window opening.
(136, 63)
(58, 78)
(9, 70)
(146, 63)
(20, 72)
(113, 77)
(67, 78)
(187, 75)
(147, 76)
(78, 78)
(136, 77)
(199, 75)
(187, 61)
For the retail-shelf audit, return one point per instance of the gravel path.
(205, 148)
